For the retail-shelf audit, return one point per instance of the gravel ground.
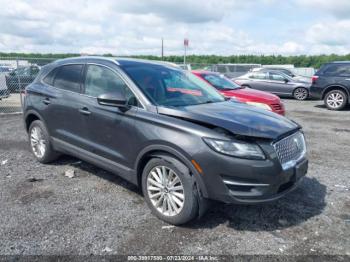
(44, 212)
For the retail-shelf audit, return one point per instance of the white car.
(4, 92)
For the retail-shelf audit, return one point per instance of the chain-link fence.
(15, 74)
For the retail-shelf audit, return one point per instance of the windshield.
(220, 82)
(168, 86)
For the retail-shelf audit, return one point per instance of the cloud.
(189, 11)
(331, 34)
(131, 27)
(339, 8)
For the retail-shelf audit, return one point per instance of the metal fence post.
(18, 78)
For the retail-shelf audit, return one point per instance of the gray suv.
(275, 82)
(165, 130)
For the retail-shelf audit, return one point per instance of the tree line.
(298, 61)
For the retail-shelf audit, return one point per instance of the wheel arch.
(167, 152)
(336, 87)
(31, 116)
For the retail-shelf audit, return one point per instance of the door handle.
(46, 101)
(85, 111)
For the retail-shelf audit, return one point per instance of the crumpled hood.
(239, 118)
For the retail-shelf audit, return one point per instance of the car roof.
(204, 72)
(121, 61)
(339, 62)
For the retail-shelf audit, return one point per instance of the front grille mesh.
(290, 149)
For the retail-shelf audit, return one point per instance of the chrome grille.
(290, 149)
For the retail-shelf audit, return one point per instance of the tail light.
(314, 79)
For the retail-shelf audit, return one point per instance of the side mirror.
(115, 99)
(286, 80)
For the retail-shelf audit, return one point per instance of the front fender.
(165, 151)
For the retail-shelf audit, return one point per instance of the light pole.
(185, 49)
(162, 48)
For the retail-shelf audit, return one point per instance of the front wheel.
(169, 191)
(336, 100)
(300, 93)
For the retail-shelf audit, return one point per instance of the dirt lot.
(44, 212)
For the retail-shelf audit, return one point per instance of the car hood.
(238, 118)
(249, 94)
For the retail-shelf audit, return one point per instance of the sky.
(135, 27)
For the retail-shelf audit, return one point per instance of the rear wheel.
(169, 191)
(300, 93)
(336, 100)
(40, 142)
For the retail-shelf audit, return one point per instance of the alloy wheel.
(335, 100)
(38, 142)
(300, 93)
(165, 190)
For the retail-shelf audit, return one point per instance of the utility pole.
(162, 48)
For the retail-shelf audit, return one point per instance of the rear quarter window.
(48, 79)
(337, 70)
(68, 77)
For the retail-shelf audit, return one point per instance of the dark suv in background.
(165, 130)
(19, 78)
(332, 84)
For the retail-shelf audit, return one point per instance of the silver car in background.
(275, 82)
(288, 71)
(4, 92)
(233, 70)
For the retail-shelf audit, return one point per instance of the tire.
(335, 100)
(40, 143)
(188, 210)
(301, 93)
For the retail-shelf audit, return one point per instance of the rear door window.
(338, 70)
(68, 77)
(276, 76)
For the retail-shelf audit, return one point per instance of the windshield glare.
(168, 86)
(220, 82)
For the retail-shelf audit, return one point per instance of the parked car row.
(250, 96)
(330, 83)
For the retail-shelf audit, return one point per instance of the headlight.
(260, 105)
(235, 148)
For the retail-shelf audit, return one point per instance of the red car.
(250, 96)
